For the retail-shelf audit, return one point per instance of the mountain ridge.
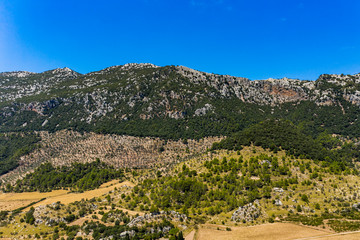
(139, 65)
(131, 95)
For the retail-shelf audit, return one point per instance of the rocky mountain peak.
(138, 66)
(19, 74)
(64, 72)
(284, 80)
(65, 69)
(125, 67)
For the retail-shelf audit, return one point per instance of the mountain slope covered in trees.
(13, 146)
(282, 134)
(173, 102)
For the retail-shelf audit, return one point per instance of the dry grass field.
(11, 201)
(337, 236)
(278, 231)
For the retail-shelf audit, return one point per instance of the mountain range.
(194, 152)
(173, 102)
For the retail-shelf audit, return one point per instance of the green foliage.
(69, 218)
(229, 115)
(100, 231)
(13, 146)
(344, 226)
(298, 208)
(306, 220)
(18, 210)
(176, 234)
(276, 134)
(221, 185)
(3, 215)
(78, 177)
(305, 198)
(29, 216)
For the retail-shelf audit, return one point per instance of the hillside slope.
(63, 148)
(173, 102)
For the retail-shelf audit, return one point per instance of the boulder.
(278, 202)
(247, 213)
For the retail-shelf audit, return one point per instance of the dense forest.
(282, 134)
(77, 177)
(13, 146)
(230, 116)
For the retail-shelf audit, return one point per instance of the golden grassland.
(278, 231)
(12, 201)
(338, 236)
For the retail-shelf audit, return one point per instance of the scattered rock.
(249, 213)
(356, 206)
(279, 190)
(170, 215)
(127, 233)
(278, 202)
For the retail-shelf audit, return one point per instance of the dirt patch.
(190, 236)
(336, 236)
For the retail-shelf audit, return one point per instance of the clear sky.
(256, 39)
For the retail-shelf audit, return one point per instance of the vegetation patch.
(344, 226)
(309, 220)
(13, 146)
(78, 177)
(281, 134)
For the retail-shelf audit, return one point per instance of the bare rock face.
(127, 233)
(19, 74)
(270, 91)
(169, 215)
(203, 110)
(247, 213)
(16, 85)
(277, 91)
(356, 206)
(278, 202)
(278, 190)
(47, 214)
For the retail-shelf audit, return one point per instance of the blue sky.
(255, 39)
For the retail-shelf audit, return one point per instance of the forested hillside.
(13, 146)
(77, 177)
(282, 134)
(173, 102)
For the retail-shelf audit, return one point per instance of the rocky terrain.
(147, 100)
(66, 147)
(15, 85)
(247, 213)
